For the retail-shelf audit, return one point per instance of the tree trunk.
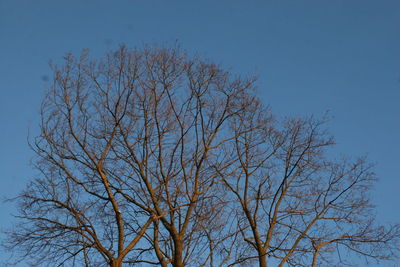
(262, 258)
(178, 261)
(116, 263)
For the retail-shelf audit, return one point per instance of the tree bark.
(262, 259)
(178, 261)
(116, 263)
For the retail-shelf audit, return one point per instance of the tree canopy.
(152, 157)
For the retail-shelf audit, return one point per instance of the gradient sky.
(311, 56)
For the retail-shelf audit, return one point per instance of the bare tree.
(126, 145)
(299, 208)
(151, 157)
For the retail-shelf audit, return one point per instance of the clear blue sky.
(311, 56)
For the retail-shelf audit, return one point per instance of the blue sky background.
(311, 56)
